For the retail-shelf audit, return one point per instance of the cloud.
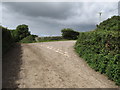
(36, 9)
(0, 13)
(48, 18)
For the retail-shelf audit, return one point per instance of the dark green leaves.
(70, 34)
(101, 48)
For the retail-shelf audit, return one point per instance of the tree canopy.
(21, 32)
(70, 34)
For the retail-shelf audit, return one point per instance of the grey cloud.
(40, 9)
(119, 7)
(46, 18)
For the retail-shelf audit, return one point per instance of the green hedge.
(101, 50)
(112, 23)
(7, 39)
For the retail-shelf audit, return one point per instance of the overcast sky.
(48, 18)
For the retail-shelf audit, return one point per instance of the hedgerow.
(20, 34)
(7, 39)
(101, 50)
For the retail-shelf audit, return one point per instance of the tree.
(70, 34)
(21, 32)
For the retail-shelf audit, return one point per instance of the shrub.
(110, 24)
(101, 49)
(69, 34)
(21, 32)
(28, 39)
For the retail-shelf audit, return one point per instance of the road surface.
(49, 65)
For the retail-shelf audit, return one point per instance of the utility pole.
(100, 16)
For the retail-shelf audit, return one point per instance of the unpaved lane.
(56, 65)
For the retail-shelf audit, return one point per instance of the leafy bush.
(7, 40)
(110, 24)
(28, 39)
(20, 32)
(70, 34)
(101, 49)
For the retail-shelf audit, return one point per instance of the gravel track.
(50, 65)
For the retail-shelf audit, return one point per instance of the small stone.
(18, 84)
(35, 74)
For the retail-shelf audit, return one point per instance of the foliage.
(29, 39)
(110, 24)
(12, 33)
(20, 32)
(101, 50)
(7, 39)
(70, 34)
(52, 38)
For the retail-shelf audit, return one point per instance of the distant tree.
(21, 32)
(34, 36)
(70, 34)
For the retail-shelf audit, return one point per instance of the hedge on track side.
(101, 50)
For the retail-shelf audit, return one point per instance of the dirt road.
(49, 65)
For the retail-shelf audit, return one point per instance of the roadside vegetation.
(20, 35)
(29, 39)
(52, 38)
(67, 34)
(101, 48)
(7, 39)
